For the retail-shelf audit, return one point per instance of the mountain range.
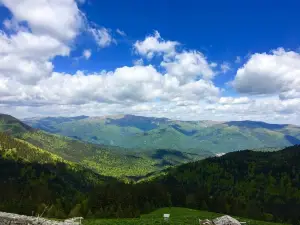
(105, 160)
(148, 133)
(64, 177)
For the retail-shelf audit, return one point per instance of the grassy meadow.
(178, 216)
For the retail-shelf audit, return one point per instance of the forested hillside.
(32, 179)
(105, 160)
(258, 185)
(261, 185)
(143, 133)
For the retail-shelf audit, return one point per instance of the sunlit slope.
(105, 160)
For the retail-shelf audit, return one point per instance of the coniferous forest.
(258, 185)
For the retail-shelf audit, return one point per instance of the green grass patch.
(178, 216)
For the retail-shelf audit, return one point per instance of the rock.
(223, 220)
(15, 219)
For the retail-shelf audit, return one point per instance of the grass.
(178, 216)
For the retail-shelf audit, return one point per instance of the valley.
(106, 160)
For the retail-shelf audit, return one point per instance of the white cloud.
(23, 70)
(30, 46)
(155, 45)
(200, 90)
(231, 100)
(87, 54)
(225, 67)
(270, 73)
(59, 19)
(120, 32)
(187, 66)
(102, 37)
(125, 85)
(40, 30)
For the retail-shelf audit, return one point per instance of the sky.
(184, 60)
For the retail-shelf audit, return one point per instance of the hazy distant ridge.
(140, 132)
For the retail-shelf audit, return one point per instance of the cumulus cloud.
(40, 30)
(24, 71)
(125, 85)
(102, 37)
(276, 72)
(154, 44)
(36, 84)
(59, 19)
(87, 54)
(187, 66)
(30, 46)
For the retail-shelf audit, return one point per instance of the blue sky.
(221, 30)
(211, 59)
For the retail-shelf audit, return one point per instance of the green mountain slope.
(22, 151)
(136, 132)
(32, 179)
(105, 160)
(257, 184)
(249, 184)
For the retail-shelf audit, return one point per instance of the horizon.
(203, 60)
(115, 115)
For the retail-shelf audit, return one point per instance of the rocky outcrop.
(223, 220)
(15, 219)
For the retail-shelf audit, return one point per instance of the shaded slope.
(256, 184)
(31, 179)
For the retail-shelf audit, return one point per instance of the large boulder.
(225, 220)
